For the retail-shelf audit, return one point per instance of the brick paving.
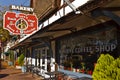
(14, 74)
(10, 73)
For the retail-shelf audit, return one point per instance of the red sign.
(20, 23)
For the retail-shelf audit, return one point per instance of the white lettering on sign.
(21, 8)
(10, 28)
(100, 48)
(12, 19)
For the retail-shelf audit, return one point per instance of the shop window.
(80, 52)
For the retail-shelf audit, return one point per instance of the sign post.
(20, 23)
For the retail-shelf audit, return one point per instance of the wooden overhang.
(45, 8)
(73, 22)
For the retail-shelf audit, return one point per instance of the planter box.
(18, 67)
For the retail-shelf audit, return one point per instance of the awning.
(72, 22)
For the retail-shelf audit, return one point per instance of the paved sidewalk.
(14, 74)
(10, 73)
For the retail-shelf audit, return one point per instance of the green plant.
(21, 60)
(113, 70)
(107, 68)
(101, 67)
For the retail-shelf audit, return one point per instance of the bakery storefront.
(79, 51)
(41, 56)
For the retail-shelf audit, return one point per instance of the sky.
(14, 2)
(7, 3)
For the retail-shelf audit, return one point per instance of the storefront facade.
(79, 51)
(39, 55)
(78, 41)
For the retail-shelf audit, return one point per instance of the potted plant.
(21, 62)
(83, 67)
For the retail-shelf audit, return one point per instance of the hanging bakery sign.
(21, 8)
(20, 23)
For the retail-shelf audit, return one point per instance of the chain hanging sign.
(20, 23)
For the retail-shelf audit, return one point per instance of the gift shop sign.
(20, 23)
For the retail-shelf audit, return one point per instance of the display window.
(79, 51)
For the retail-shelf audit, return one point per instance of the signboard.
(21, 8)
(20, 23)
(97, 41)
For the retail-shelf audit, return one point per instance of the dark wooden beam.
(111, 8)
(70, 29)
(42, 39)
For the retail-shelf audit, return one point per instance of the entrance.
(41, 58)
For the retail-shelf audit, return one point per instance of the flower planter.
(18, 67)
(65, 68)
(82, 71)
(70, 69)
(90, 72)
(77, 70)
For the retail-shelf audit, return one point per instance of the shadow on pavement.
(2, 68)
(3, 75)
